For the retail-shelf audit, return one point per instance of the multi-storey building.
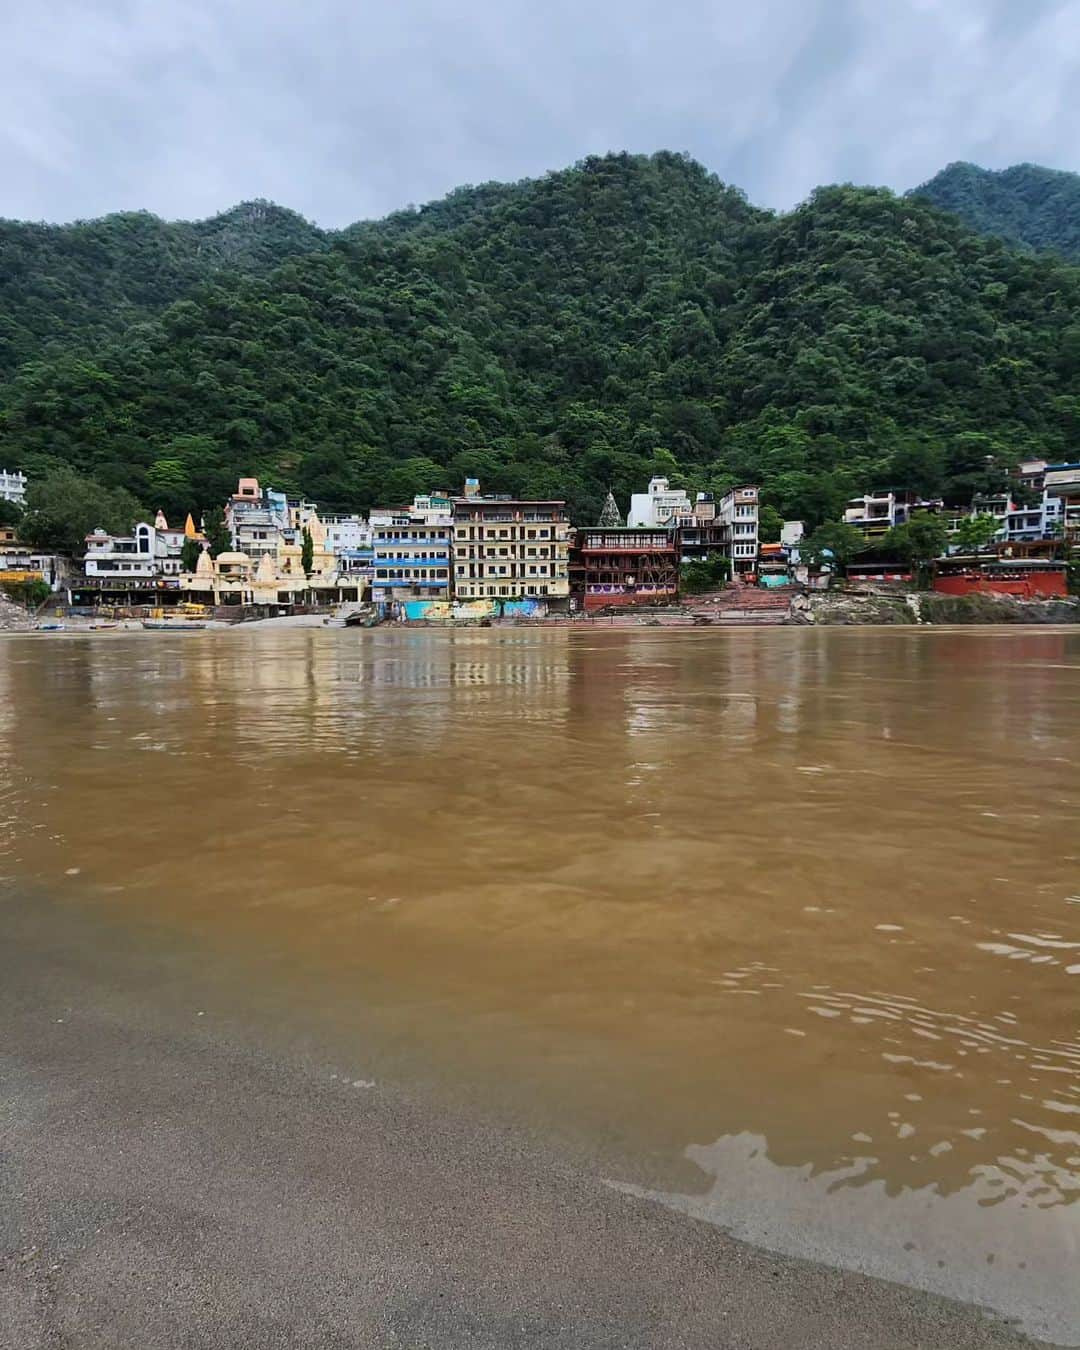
(410, 555)
(135, 568)
(508, 548)
(1063, 483)
(701, 535)
(149, 553)
(13, 487)
(737, 514)
(348, 538)
(996, 504)
(623, 566)
(1031, 474)
(434, 506)
(660, 505)
(20, 562)
(258, 521)
(875, 513)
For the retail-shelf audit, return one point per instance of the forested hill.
(1027, 205)
(80, 283)
(576, 333)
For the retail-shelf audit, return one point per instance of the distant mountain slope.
(81, 283)
(573, 334)
(1027, 205)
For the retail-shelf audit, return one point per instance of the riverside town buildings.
(475, 553)
(135, 568)
(478, 555)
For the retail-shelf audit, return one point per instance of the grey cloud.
(345, 109)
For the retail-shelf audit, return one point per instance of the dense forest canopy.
(560, 336)
(84, 282)
(1027, 205)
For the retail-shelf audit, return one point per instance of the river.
(783, 925)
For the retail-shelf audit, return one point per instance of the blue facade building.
(411, 556)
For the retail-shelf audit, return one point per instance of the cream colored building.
(278, 578)
(510, 549)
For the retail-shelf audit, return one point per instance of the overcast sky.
(346, 109)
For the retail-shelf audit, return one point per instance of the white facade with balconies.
(13, 487)
(660, 506)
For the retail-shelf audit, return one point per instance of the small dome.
(232, 558)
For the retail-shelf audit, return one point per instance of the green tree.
(834, 541)
(975, 533)
(217, 535)
(547, 337)
(189, 554)
(31, 593)
(695, 578)
(919, 541)
(10, 512)
(63, 507)
(770, 523)
(168, 480)
(307, 551)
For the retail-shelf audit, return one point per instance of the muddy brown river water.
(786, 922)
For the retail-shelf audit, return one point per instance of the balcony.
(434, 558)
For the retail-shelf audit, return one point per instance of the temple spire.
(610, 519)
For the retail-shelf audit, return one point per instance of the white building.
(434, 507)
(147, 556)
(349, 538)
(346, 533)
(13, 487)
(659, 507)
(737, 513)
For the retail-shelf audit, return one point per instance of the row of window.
(486, 532)
(535, 570)
(475, 553)
(413, 574)
(480, 592)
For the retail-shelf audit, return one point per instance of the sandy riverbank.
(173, 1178)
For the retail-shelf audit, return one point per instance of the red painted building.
(623, 566)
(1024, 578)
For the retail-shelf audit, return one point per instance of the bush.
(31, 593)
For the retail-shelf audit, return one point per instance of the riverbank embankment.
(928, 607)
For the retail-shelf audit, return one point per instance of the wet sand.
(170, 1177)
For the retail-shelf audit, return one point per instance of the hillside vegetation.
(567, 335)
(1027, 205)
(81, 283)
